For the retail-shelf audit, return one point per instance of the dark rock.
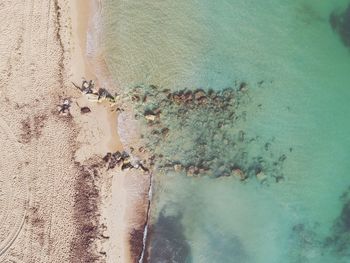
(192, 170)
(127, 166)
(282, 158)
(144, 168)
(243, 86)
(142, 149)
(135, 98)
(188, 96)
(124, 155)
(239, 174)
(107, 157)
(117, 155)
(165, 132)
(84, 110)
(103, 93)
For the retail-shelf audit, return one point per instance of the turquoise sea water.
(302, 106)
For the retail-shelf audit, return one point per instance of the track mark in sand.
(13, 259)
(13, 190)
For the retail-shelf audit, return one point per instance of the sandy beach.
(58, 200)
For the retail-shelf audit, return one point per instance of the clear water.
(289, 45)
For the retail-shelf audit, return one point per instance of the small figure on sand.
(64, 107)
(87, 87)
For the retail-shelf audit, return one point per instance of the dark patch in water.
(305, 242)
(224, 247)
(340, 22)
(167, 242)
(339, 241)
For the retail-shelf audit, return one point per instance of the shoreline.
(123, 194)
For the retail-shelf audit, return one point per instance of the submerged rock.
(199, 95)
(177, 167)
(261, 176)
(150, 117)
(238, 173)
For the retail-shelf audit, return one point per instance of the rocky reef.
(202, 132)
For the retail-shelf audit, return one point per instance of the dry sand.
(58, 202)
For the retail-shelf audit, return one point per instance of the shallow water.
(301, 108)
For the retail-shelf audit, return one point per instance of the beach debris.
(85, 110)
(64, 107)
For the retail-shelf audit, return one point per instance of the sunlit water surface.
(304, 109)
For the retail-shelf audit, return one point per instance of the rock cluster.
(124, 160)
(202, 132)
